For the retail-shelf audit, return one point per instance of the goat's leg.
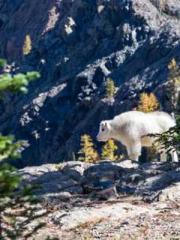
(163, 153)
(163, 156)
(174, 155)
(134, 150)
(172, 151)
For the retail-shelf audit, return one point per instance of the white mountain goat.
(131, 129)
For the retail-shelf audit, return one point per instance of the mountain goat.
(131, 129)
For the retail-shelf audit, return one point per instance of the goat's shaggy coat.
(131, 129)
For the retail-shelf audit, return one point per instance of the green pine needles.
(17, 82)
(171, 138)
(15, 202)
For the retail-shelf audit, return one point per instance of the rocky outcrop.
(76, 46)
(108, 200)
(106, 180)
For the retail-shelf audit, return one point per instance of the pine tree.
(16, 83)
(27, 46)
(110, 88)
(171, 138)
(13, 198)
(148, 103)
(87, 152)
(108, 150)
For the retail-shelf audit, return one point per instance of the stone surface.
(76, 45)
(106, 180)
(133, 203)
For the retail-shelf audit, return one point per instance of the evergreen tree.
(109, 150)
(13, 198)
(87, 152)
(110, 88)
(148, 103)
(16, 83)
(171, 138)
(27, 46)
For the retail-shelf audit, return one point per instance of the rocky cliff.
(77, 44)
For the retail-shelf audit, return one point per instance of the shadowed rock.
(106, 179)
(108, 199)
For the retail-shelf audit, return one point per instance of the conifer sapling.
(109, 150)
(87, 152)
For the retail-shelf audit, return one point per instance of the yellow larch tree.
(110, 88)
(109, 150)
(87, 152)
(27, 46)
(148, 103)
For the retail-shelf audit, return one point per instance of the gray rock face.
(106, 180)
(108, 200)
(76, 45)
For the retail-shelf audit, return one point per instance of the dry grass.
(89, 224)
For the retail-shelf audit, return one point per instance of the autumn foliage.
(27, 46)
(109, 150)
(87, 152)
(148, 103)
(110, 88)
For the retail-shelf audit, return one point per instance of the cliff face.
(76, 45)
